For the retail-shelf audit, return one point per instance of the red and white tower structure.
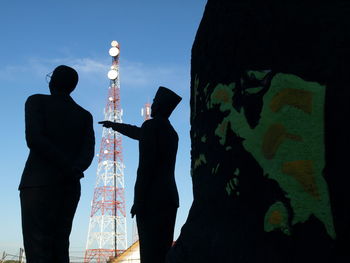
(107, 236)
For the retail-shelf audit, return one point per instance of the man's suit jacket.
(60, 136)
(155, 186)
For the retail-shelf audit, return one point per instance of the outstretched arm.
(126, 129)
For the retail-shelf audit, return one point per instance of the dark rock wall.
(269, 103)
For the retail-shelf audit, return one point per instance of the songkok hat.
(167, 100)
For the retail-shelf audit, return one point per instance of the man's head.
(64, 79)
(164, 102)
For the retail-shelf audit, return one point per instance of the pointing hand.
(107, 124)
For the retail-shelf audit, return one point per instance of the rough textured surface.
(269, 103)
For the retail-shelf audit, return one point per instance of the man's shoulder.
(87, 113)
(78, 108)
(150, 123)
(36, 100)
(37, 97)
(44, 98)
(155, 123)
(83, 111)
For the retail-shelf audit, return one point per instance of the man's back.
(60, 136)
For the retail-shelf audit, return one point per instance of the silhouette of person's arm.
(36, 139)
(86, 154)
(131, 131)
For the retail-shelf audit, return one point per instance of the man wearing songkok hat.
(156, 198)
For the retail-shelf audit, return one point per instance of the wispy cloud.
(137, 75)
(39, 67)
(88, 65)
(133, 74)
(82, 65)
(10, 72)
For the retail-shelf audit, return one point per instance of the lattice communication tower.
(107, 236)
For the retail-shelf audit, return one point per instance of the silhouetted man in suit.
(60, 136)
(156, 198)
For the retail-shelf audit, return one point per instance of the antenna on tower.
(107, 236)
(146, 111)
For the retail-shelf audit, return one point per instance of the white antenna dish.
(114, 43)
(112, 74)
(114, 51)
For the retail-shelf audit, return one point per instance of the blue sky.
(156, 37)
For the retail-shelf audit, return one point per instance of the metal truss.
(107, 235)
